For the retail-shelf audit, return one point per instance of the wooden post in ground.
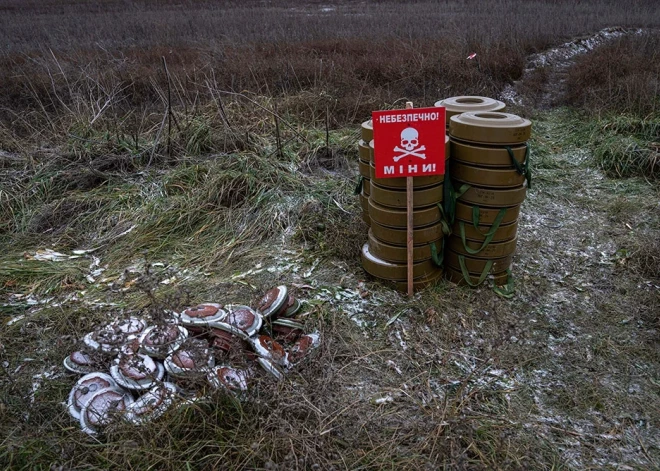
(409, 214)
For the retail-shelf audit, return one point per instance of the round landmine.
(486, 156)
(271, 367)
(289, 303)
(392, 217)
(303, 347)
(192, 360)
(158, 341)
(461, 104)
(107, 340)
(152, 404)
(242, 321)
(489, 197)
(476, 266)
(485, 216)
(456, 276)
(420, 283)
(491, 251)
(80, 362)
(288, 330)
(136, 372)
(479, 233)
(490, 128)
(364, 151)
(367, 131)
(229, 378)
(273, 300)
(366, 186)
(397, 198)
(293, 309)
(392, 271)
(398, 253)
(130, 326)
(85, 388)
(269, 349)
(365, 169)
(396, 236)
(102, 408)
(202, 315)
(488, 177)
(223, 339)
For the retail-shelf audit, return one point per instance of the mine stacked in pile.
(489, 174)
(364, 187)
(385, 254)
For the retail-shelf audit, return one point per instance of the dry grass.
(563, 376)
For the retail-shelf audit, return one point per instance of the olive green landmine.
(399, 254)
(484, 215)
(462, 104)
(486, 177)
(490, 128)
(483, 155)
(391, 217)
(418, 284)
(398, 198)
(492, 250)
(476, 266)
(364, 169)
(481, 232)
(367, 131)
(379, 268)
(492, 198)
(399, 236)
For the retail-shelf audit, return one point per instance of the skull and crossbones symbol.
(409, 145)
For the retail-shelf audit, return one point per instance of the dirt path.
(555, 63)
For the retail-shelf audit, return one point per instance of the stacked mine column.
(364, 186)
(384, 256)
(489, 174)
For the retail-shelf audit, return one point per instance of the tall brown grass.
(101, 61)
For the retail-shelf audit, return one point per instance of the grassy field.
(206, 151)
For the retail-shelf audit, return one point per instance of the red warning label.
(409, 143)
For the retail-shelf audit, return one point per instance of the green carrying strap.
(466, 274)
(476, 216)
(507, 291)
(437, 259)
(358, 188)
(524, 169)
(451, 196)
(444, 221)
(489, 235)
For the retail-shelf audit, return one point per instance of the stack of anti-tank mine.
(383, 200)
(485, 183)
(489, 175)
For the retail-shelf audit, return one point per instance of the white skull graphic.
(409, 138)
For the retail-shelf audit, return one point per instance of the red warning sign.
(409, 143)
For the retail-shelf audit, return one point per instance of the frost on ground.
(565, 372)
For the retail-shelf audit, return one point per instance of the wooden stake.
(409, 214)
